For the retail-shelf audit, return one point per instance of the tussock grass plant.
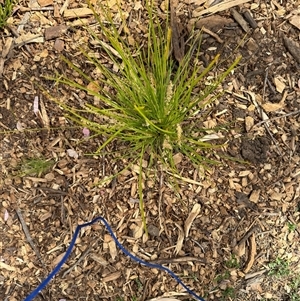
(149, 102)
(6, 9)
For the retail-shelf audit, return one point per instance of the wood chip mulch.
(222, 227)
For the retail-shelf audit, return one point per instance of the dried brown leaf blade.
(193, 214)
(180, 239)
(219, 7)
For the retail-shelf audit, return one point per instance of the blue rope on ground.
(69, 250)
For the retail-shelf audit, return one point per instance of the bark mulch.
(228, 232)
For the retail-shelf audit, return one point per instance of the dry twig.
(28, 236)
(212, 34)
(177, 260)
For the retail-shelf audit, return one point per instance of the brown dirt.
(255, 150)
(248, 206)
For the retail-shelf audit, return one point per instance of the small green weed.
(229, 292)
(139, 284)
(292, 227)
(223, 276)
(6, 9)
(154, 106)
(294, 295)
(279, 267)
(296, 283)
(35, 166)
(232, 262)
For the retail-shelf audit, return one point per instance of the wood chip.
(239, 18)
(44, 115)
(272, 107)
(254, 196)
(293, 48)
(78, 13)
(295, 20)
(55, 31)
(7, 47)
(249, 19)
(214, 22)
(28, 38)
(177, 38)
(193, 214)
(180, 239)
(219, 7)
(251, 255)
(43, 3)
(112, 249)
(112, 276)
(7, 267)
(99, 259)
(249, 122)
(279, 84)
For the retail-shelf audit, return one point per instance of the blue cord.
(69, 250)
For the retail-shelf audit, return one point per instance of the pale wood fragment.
(252, 253)
(193, 214)
(78, 12)
(239, 19)
(219, 7)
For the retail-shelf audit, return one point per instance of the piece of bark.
(28, 38)
(293, 48)
(177, 38)
(55, 31)
(239, 18)
(7, 47)
(213, 23)
(250, 19)
(193, 214)
(43, 3)
(78, 13)
(1, 66)
(224, 5)
(295, 20)
(251, 254)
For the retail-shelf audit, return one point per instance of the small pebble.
(153, 230)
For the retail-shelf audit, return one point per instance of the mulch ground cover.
(219, 230)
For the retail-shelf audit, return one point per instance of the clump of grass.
(6, 9)
(35, 166)
(151, 103)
